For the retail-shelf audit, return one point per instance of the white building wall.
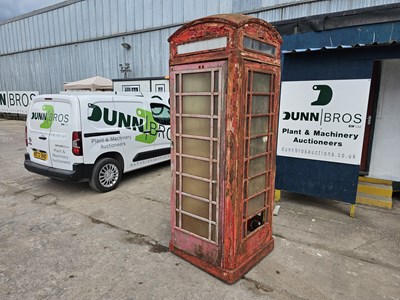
(385, 156)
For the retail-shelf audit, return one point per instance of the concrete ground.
(60, 240)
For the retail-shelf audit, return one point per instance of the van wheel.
(106, 175)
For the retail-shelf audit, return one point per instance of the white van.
(95, 137)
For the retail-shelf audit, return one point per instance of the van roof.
(104, 96)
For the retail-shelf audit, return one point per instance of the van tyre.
(106, 175)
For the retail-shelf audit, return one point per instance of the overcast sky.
(13, 8)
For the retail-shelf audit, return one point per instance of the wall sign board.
(16, 102)
(323, 120)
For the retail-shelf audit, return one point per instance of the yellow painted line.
(374, 190)
(375, 180)
(374, 202)
(277, 195)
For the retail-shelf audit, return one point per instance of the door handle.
(42, 137)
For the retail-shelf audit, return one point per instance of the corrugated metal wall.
(78, 39)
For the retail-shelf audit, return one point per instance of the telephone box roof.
(233, 20)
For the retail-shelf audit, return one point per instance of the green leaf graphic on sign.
(325, 95)
(49, 109)
(150, 126)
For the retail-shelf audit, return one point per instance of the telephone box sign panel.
(323, 120)
(210, 44)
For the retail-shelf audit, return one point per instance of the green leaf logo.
(150, 131)
(49, 109)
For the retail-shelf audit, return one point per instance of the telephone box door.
(196, 156)
(259, 153)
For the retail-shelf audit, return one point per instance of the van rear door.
(66, 120)
(38, 128)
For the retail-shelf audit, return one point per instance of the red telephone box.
(224, 77)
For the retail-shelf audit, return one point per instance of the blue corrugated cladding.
(365, 34)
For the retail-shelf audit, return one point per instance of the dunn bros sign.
(16, 102)
(323, 120)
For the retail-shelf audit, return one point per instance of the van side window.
(160, 113)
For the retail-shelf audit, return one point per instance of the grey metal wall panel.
(147, 14)
(91, 19)
(130, 19)
(191, 9)
(80, 39)
(225, 7)
(167, 12)
(157, 13)
(177, 11)
(270, 16)
(2, 38)
(122, 13)
(139, 20)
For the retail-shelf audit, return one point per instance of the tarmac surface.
(60, 240)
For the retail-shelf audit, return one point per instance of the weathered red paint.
(232, 256)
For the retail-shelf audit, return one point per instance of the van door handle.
(42, 137)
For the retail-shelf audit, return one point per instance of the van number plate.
(40, 155)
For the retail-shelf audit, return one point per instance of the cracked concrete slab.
(62, 240)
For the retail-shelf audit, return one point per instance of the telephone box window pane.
(259, 46)
(215, 105)
(256, 185)
(177, 125)
(260, 105)
(215, 128)
(177, 182)
(258, 145)
(177, 201)
(261, 83)
(195, 207)
(255, 204)
(214, 213)
(216, 81)
(195, 226)
(196, 147)
(177, 104)
(214, 192)
(257, 166)
(215, 150)
(213, 233)
(214, 171)
(255, 222)
(196, 82)
(196, 105)
(196, 126)
(196, 167)
(177, 87)
(195, 187)
(259, 125)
